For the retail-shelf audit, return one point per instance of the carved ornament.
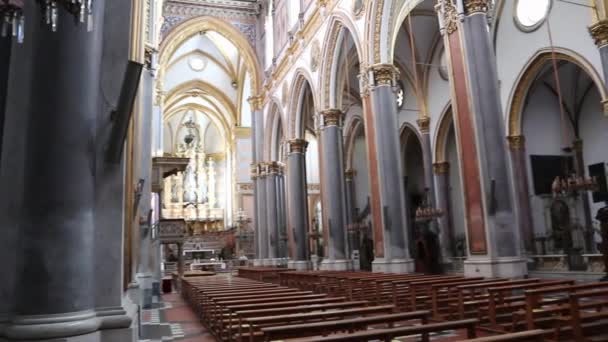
(332, 117)
(599, 32)
(605, 107)
(273, 168)
(448, 16)
(256, 102)
(424, 123)
(441, 168)
(384, 74)
(254, 171)
(476, 6)
(516, 142)
(297, 145)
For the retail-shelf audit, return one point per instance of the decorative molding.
(256, 102)
(517, 142)
(242, 132)
(253, 171)
(273, 168)
(297, 145)
(605, 107)
(424, 124)
(245, 187)
(441, 168)
(448, 17)
(332, 117)
(315, 56)
(384, 74)
(599, 32)
(476, 6)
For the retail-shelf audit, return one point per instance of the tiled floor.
(172, 321)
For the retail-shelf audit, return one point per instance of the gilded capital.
(256, 102)
(262, 169)
(384, 74)
(516, 142)
(349, 174)
(441, 168)
(448, 17)
(599, 32)
(332, 117)
(297, 145)
(253, 171)
(476, 6)
(273, 168)
(424, 123)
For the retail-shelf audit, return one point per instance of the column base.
(146, 289)
(393, 265)
(299, 265)
(337, 265)
(512, 267)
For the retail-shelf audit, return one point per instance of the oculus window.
(530, 14)
(197, 63)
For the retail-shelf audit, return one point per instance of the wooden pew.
(351, 325)
(254, 324)
(524, 336)
(577, 317)
(391, 333)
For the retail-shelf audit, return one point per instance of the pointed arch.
(354, 127)
(301, 84)
(528, 76)
(187, 29)
(340, 28)
(441, 133)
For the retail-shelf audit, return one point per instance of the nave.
(278, 304)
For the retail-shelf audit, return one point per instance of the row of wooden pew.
(564, 309)
(241, 309)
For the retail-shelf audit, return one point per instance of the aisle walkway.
(173, 320)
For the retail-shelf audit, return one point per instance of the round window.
(197, 63)
(530, 14)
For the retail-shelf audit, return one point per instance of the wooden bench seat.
(351, 325)
(391, 333)
(537, 335)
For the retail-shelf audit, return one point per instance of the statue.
(602, 216)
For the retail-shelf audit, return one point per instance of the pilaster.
(297, 203)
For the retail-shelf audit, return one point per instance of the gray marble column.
(352, 236)
(297, 203)
(599, 33)
(272, 213)
(389, 209)
(517, 149)
(56, 293)
(494, 238)
(444, 224)
(334, 206)
(262, 220)
(283, 246)
(257, 138)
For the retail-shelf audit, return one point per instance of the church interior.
(303, 170)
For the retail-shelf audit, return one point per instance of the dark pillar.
(517, 148)
(494, 246)
(386, 171)
(579, 166)
(297, 196)
(55, 297)
(334, 199)
(272, 214)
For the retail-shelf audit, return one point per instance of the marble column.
(283, 245)
(389, 220)
(353, 241)
(180, 265)
(492, 232)
(334, 199)
(262, 221)
(55, 296)
(517, 149)
(579, 165)
(442, 194)
(257, 124)
(599, 32)
(297, 204)
(272, 214)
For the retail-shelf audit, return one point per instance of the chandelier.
(12, 18)
(426, 212)
(571, 185)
